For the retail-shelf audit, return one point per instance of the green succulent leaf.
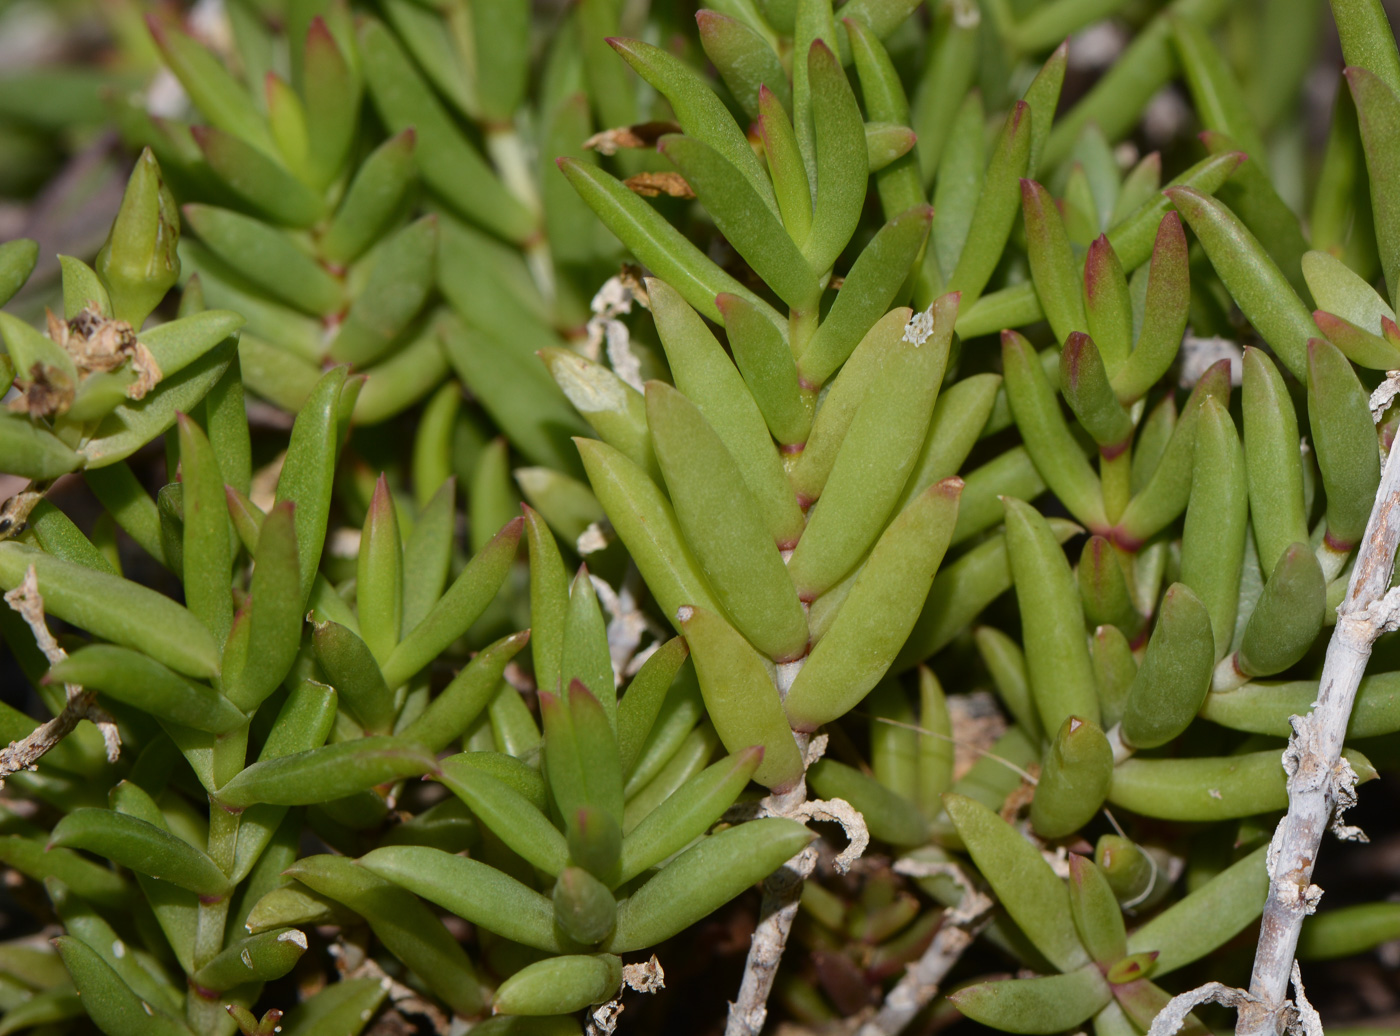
(1207, 918)
(1208, 787)
(341, 1007)
(1046, 434)
(560, 985)
(1345, 440)
(701, 114)
(871, 285)
(876, 456)
(841, 163)
(458, 608)
(744, 59)
(1213, 540)
(1052, 619)
(1175, 673)
(708, 378)
(447, 161)
(726, 531)
(613, 409)
(687, 814)
(873, 623)
(647, 526)
(214, 91)
(996, 209)
(142, 847)
(667, 252)
(1378, 111)
(1263, 707)
(115, 609)
(1036, 1005)
(32, 857)
(259, 958)
(704, 878)
(110, 1002)
(742, 216)
(767, 365)
(1273, 464)
(470, 692)
(470, 889)
(1025, 885)
(1053, 267)
(740, 696)
(1074, 779)
(508, 813)
(268, 257)
(17, 259)
(1347, 930)
(322, 774)
(1287, 616)
(404, 925)
(136, 679)
(1250, 274)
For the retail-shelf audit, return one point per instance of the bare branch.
(22, 754)
(1318, 780)
(782, 893)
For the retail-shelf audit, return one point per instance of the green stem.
(802, 325)
(1115, 474)
(230, 752)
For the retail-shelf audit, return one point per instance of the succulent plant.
(1037, 616)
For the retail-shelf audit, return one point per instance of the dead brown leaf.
(639, 135)
(649, 185)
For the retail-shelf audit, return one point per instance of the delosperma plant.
(939, 511)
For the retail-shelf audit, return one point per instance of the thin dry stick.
(961, 925)
(22, 754)
(782, 894)
(1320, 782)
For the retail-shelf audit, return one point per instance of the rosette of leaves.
(787, 507)
(98, 384)
(302, 218)
(589, 836)
(1093, 967)
(438, 249)
(1108, 664)
(230, 731)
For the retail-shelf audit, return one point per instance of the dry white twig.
(782, 894)
(1298, 1018)
(22, 754)
(921, 980)
(1319, 782)
(1172, 1017)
